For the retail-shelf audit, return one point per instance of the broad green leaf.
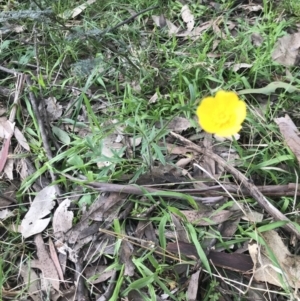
(85, 200)
(61, 135)
(75, 160)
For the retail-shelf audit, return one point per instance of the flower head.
(222, 115)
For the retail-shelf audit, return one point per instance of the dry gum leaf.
(62, 219)
(34, 221)
(54, 109)
(287, 273)
(72, 13)
(286, 50)
(44, 263)
(206, 218)
(31, 281)
(187, 17)
(290, 134)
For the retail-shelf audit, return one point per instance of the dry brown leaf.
(207, 162)
(126, 257)
(187, 17)
(265, 269)
(4, 153)
(109, 146)
(196, 32)
(160, 174)
(286, 49)
(31, 281)
(105, 208)
(64, 295)
(290, 134)
(21, 139)
(4, 203)
(160, 21)
(206, 218)
(54, 109)
(72, 13)
(49, 276)
(41, 206)
(10, 192)
(181, 233)
(135, 141)
(176, 149)
(99, 272)
(252, 7)
(192, 291)
(9, 168)
(62, 219)
(6, 128)
(230, 227)
(62, 222)
(239, 66)
(136, 86)
(179, 124)
(153, 98)
(173, 29)
(183, 162)
(24, 169)
(215, 44)
(218, 31)
(253, 216)
(55, 259)
(257, 39)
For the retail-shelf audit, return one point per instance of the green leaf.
(85, 200)
(199, 249)
(161, 231)
(61, 135)
(140, 283)
(272, 226)
(75, 160)
(115, 295)
(190, 200)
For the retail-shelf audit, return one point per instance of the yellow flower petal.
(222, 114)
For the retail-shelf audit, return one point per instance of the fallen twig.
(252, 189)
(268, 190)
(129, 189)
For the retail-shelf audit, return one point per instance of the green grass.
(100, 76)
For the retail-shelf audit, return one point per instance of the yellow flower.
(222, 115)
